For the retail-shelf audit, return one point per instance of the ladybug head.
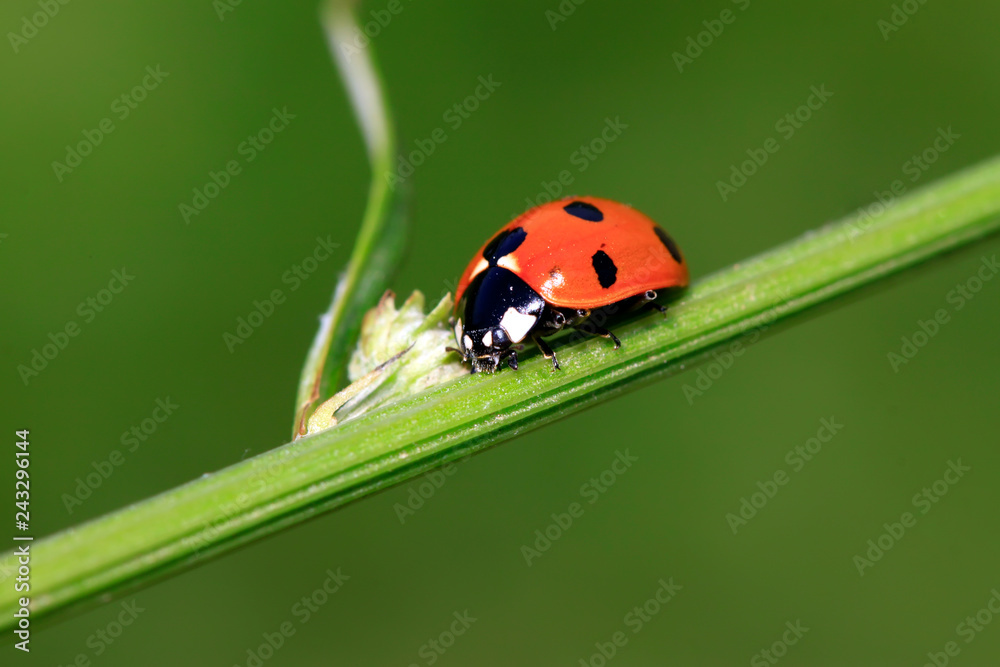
(499, 311)
(485, 348)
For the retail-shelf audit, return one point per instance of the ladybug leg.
(657, 307)
(579, 316)
(595, 330)
(546, 351)
(512, 359)
(554, 320)
(649, 303)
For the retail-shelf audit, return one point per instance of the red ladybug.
(568, 263)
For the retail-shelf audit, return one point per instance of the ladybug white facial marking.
(517, 324)
(488, 339)
(467, 342)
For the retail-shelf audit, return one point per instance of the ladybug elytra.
(567, 264)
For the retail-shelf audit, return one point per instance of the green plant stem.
(379, 244)
(284, 486)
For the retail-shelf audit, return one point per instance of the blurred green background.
(162, 336)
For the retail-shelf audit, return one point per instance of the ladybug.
(570, 263)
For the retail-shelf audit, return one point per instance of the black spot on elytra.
(504, 243)
(607, 272)
(584, 211)
(669, 243)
